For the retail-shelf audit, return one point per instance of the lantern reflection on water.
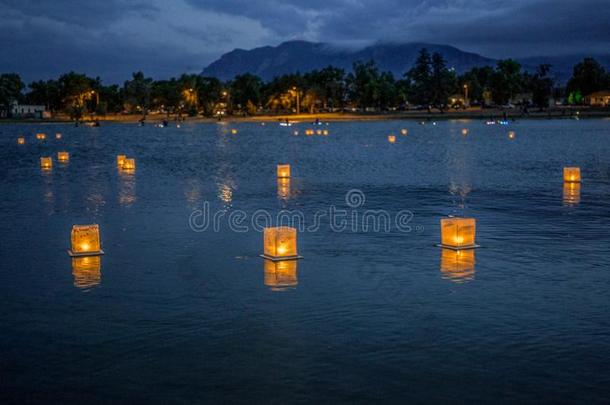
(87, 271)
(21, 141)
(391, 138)
(458, 233)
(283, 171)
(571, 174)
(283, 188)
(85, 240)
(571, 193)
(46, 163)
(281, 275)
(63, 156)
(280, 243)
(458, 265)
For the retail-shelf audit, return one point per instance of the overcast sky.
(112, 38)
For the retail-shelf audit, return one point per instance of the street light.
(294, 88)
(466, 94)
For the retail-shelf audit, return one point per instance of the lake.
(182, 310)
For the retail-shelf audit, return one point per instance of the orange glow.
(21, 141)
(391, 138)
(46, 163)
(41, 136)
(234, 131)
(87, 271)
(280, 242)
(283, 171)
(571, 174)
(129, 165)
(319, 132)
(458, 265)
(458, 233)
(571, 193)
(511, 135)
(281, 275)
(283, 188)
(85, 240)
(58, 136)
(404, 131)
(120, 159)
(63, 156)
(325, 132)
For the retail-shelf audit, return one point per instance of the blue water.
(177, 315)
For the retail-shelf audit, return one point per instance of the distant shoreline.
(556, 113)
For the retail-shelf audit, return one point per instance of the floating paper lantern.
(283, 188)
(280, 243)
(58, 136)
(458, 233)
(85, 240)
(571, 193)
(295, 133)
(63, 156)
(46, 163)
(391, 138)
(283, 171)
(120, 159)
(87, 271)
(325, 132)
(464, 131)
(21, 141)
(129, 165)
(571, 174)
(281, 275)
(458, 265)
(233, 131)
(511, 135)
(319, 132)
(40, 136)
(404, 131)
(309, 132)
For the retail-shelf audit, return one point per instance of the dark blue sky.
(112, 38)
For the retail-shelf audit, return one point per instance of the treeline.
(428, 84)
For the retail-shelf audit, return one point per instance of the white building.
(27, 111)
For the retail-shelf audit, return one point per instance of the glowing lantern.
(319, 132)
(458, 233)
(58, 136)
(87, 271)
(571, 174)
(457, 265)
(40, 136)
(120, 159)
(464, 131)
(295, 133)
(63, 156)
(511, 135)
(571, 193)
(46, 163)
(404, 131)
(325, 132)
(283, 171)
(309, 132)
(281, 275)
(280, 243)
(21, 141)
(233, 131)
(391, 138)
(85, 240)
(129, 165)
(283, 188)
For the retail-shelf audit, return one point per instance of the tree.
(478, 79)
(137, 92)
(506, 81)
(45, 93)
(11, 87)
(588, 77)
(328, 85)
(246, 89)
(420, 79)
(363, 84)
(541, 85)
(442, 82)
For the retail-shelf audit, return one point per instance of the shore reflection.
(458, 266)
(283, 188)
(282, 275)
(127, 188)
(87, 271)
